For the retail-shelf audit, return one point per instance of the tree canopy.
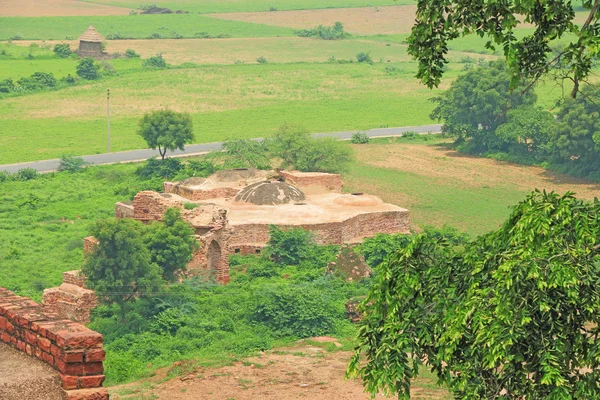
(166, 130)
(513, 314)
(440, 21)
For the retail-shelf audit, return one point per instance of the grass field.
(36, 8)
(134, 27)
(224, 6)
(235, 101)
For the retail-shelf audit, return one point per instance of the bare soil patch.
(301, 372)
(470, 171)
(56, 8)
(363, 20)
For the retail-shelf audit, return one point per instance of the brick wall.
(72, 300)
(123, 210)
(69, 347)
(200, 194)
(327, 182)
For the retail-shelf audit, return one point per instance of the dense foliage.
(154, 62)
(335, 32)
(88, 68)
(510, 315)
(166, 130)
(63, 50)
(440, 21)
(71, 163)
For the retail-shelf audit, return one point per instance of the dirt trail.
(305, 371)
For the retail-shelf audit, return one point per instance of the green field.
(132, 27)
(234, 101)
(225, 6)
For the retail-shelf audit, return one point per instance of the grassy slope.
(236, 101)
(222, 6)
(136, 27)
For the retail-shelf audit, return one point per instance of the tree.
(299, 150)
(577, 139)
(511, 315)
(88, 69)
(477, 103)
(530, 128)
(243, 153)
(166, 130)
(63, 50)
(120, 269)
(438, 22)
(289, 247)
(171, 243)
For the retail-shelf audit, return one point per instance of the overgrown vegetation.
(88, 69)
(335, 32)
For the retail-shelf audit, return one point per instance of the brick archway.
(213, 256)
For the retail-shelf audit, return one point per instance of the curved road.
(196, 149)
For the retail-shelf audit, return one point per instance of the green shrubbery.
(71, 163)
(359, 138)
(63, 50)
(130, 53)
(88, 68)
(155, 62)
(335, 32)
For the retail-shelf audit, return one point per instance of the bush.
(261, 60)
(116, 36)
(68, 79)
(71, 163)
(7, 86)
(300, 151)
(335, 32)
(63, 50)
(155, 62)
(298, 311)
(37, 81)
(157, 168)
(288, 247)
(155, 35)
(360, 138)
(129, 53)
(363, 57)
(88, 69)
(26, 174)
(200, 168)
(242, 153)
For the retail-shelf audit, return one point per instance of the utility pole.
(108, 115)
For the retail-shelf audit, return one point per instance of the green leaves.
(166, 130)
(510, 315)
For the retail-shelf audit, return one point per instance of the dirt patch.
(56, 8)
(470, 171)
(302, 372)
(363, 20)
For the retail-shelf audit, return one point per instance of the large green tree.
(166, 130)
(511, 315)
(477, 103)
(120, 268)
(440, 21)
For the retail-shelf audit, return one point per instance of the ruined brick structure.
(69, 347)
(231, 212)
(72, 299)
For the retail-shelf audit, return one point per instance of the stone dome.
(357, 200)
(239, 174)
(270, 193)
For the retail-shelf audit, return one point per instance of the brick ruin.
(71, 299)
(69, 347)
(231, 212)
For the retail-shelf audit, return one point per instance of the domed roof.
(239, 174)
(270, 193)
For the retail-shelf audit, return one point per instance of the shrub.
(7, 86)
(71, 163)
(288, 247)
(116, 36)
(273, 9)
(297, 311)
(69, 79)
(200, 168)
(363, 57)
(156, 62)
(243, 153)
(261, 60)
(177, 35)
(168, 322)
(63, 50)
(37, 81)
(88, 69)
(155, 35)
(17, 37)
(129, 53)
(360, 138)
(26, 174)
(335, 32)
(157, 168)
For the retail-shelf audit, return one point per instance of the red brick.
(56, 351)
(87, 394)
(30, 338)
(75, 369)
(48, 358)
(93, 368)
(5, 337)
(95, 355)
(38, 352)
(91, 381)
(10, 328)
(44, 344)
(3, 323)
(69, 382)
(29, 349)
(73, 356)
(21, 346)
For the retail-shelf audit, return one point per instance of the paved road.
(194, 149)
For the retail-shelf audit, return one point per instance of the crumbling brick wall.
(306, 181)
(124, 210)
(72, 300)
(69, 347)
(200, 194)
